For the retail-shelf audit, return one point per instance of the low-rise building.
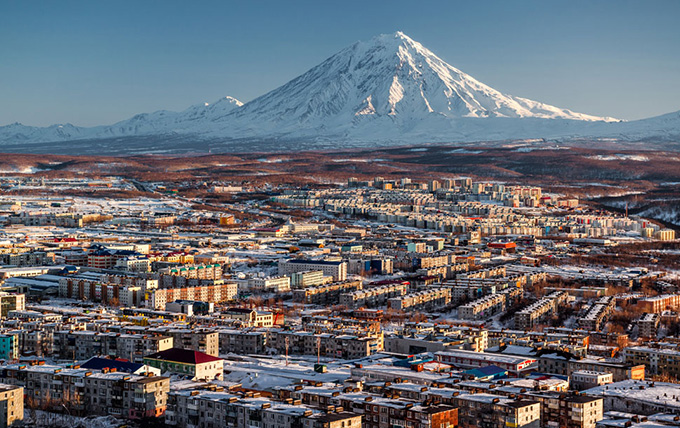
(192, 364)
(471, 359)
(586, 379)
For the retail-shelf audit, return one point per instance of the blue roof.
(97, 363)
(486, 371)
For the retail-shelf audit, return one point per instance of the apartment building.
(97, 291)
(202, 271)
(468, 340)
(338, 270)
(568, 411)
(665, 235)
(217, 293)
(638, 397)
(89, 392)
(11, 404)
(371, 297)
(242, 342)
(343, 346)
(586, 379)
(373, 265)
(560, 364)
(471, 359)
(11, 302)
(185, 362)
(326, 294)
(250, 317)
(81, 345)
(429, 299)
(383, 412)
(597, 314)
(528, 317)
(274, 284)
(483, 308)
(134, 264)
(27, 258)
(648, 325)
(656, 360)
(217, 408)
(493, 411)
(9, 347)
(335, 419)
(198, 339)
(305, 279)
(658, 304)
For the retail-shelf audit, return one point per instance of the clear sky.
(97, 62)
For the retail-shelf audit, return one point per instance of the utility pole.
(287, 343)
(318, 349)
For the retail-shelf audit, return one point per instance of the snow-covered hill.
(388, 90)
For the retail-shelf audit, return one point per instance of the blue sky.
(97, 62)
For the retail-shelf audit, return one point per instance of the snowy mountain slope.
(388, 90)
(159, 122)
(393, 75)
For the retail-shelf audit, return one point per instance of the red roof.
(186, 356)
(502, 245)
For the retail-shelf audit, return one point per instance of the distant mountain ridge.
(388, 90)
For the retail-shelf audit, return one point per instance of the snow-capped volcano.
(393, 75)
(388, 90)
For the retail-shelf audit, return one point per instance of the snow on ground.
(267, 373)
(619, 156)
(41, 418)
(464, 152)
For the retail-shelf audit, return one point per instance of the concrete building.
(371, 297)
(648, 325)
(429, 299)
(89, 392)
(483, 308)
(192, 364)
(338, 270)
(201, 340)
(326, 294)
(493, 411)
(586, 379)
(82, 345)
(242, 342)
(345, 346)
(11, 302)
(656, 360)
(274, 284)
(9, 347)
(568, 411)
(528, 317)
(217, 293)
(11, 404)
(658, 304)
(306, 279)
(638, 397)
(250, 317)
(470, 359)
